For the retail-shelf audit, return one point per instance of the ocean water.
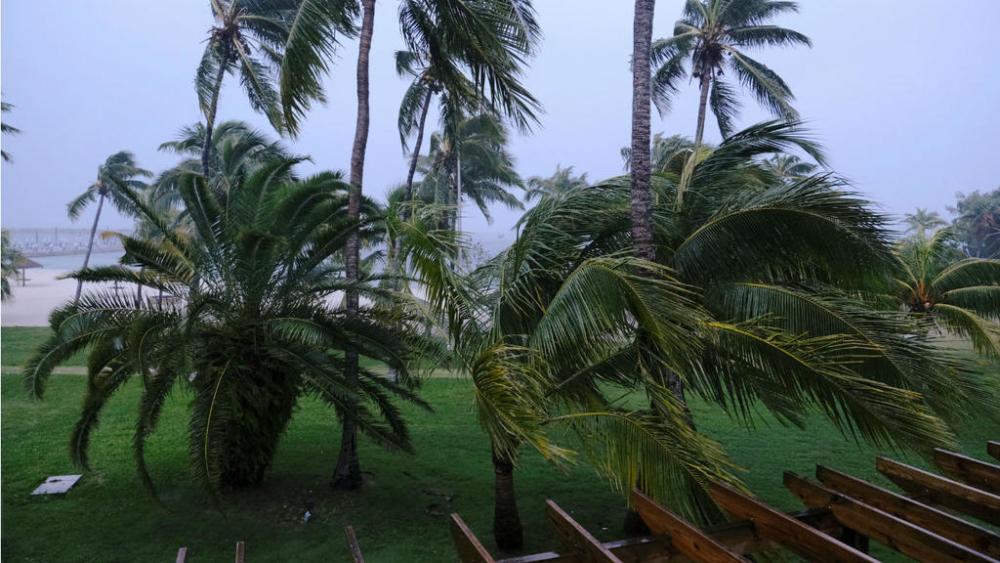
(75, 261)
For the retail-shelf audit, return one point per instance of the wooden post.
(942, 491)
(241, 552)
(576, 538)
(182, 555)
(468, 546)
(353, 546)
(781, 528)
(685, 538)
(895, 533)
(927, 517)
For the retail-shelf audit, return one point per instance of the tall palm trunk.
(641, 198)
(705, 83)
(206, 151)
(457, 223)
(507, 530)
(416, 146)
(347, 473)
(90, 245)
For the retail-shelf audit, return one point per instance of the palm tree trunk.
(90, 245)
(347, 473)
(641, 198)
(138, 291)
(507, 530)
(705, 83)
(457, 224)
(416, 146)
(206, 151)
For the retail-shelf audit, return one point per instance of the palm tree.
(710, 33)
(115, 177)
(977, 223)
(958, 294)
(642, 210)
(7, 129)
(921, 221)
(789, 167)
(238, 151)
(469, 160)
(247, 329)
(753, 303)
(9, 259)
(279, 50)
(758, 299)
(454, 54)
(561, 181)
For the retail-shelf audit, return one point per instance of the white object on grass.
(57, 485)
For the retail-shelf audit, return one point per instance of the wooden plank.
(241, 552)
(780, 528)
(941, 490)
(353, 546)
(182, 555)
(740, 537)
(896, 533)
(993, 448)
(684, 537)
(468, 546)
(576, 538)
(927, 517)
(969, 470)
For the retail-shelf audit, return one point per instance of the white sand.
(31, 304)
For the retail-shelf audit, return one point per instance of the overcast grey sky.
(903, 93)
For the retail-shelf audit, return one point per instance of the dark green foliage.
(977, 225)
(245, 322)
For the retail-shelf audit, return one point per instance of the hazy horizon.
(118, 74)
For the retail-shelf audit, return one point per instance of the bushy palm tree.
(759, 296)
(561, 181)
(248, 328)
(977, 223)
(278, 48)
(921, 221)
(957, 294)
(7, 129)
(115, 179)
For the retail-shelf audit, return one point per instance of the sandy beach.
(43, 291)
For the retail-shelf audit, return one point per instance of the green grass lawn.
(17, 343)
(400, 515)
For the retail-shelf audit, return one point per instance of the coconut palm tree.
(454, 57)
(710, 33)
(238, 151)
(115, 177)
(561, 181)
(7, 129)
(789, 167)
(278, 48)
(957, 294)
(977, 223)
(756, 299)
(921, 221)
(247, 330)
(469, 160)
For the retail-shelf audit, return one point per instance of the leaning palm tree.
(561, 181)
(7, 129)
(956, 294)
(115, 177)
(642, 210)
(921, 221)
(278, 48)
(758, 298)
(247, 331)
